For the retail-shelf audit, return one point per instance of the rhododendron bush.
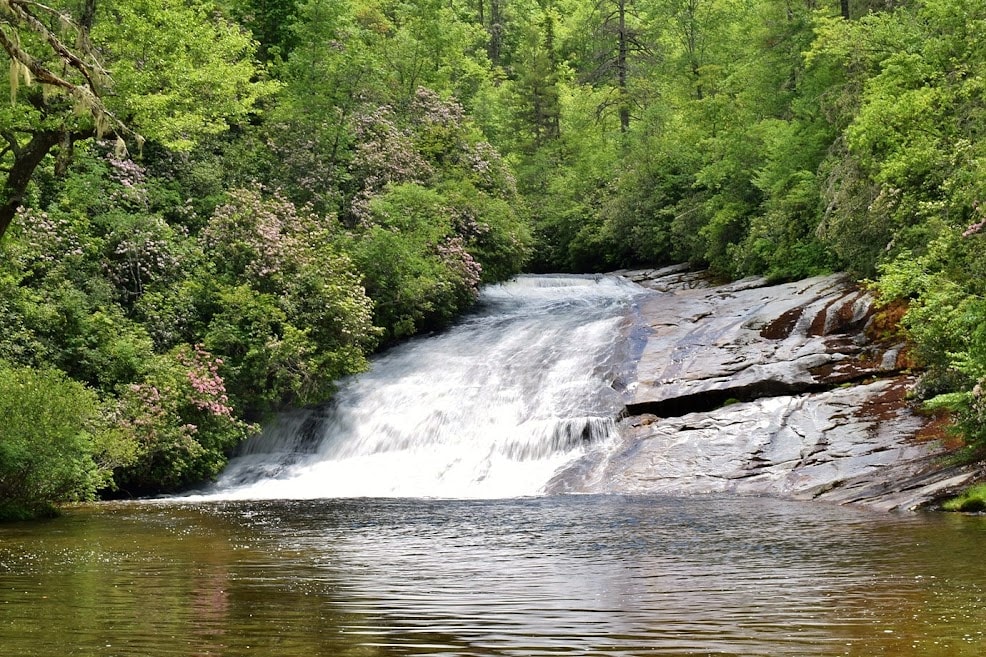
(432, 213)
(290, 310)
(180, 418)
(184, 330)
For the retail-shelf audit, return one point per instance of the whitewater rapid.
(492, 408)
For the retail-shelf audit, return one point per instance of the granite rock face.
(765, 389)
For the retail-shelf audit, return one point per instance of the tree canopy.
(170, 71)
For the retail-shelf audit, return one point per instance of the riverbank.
(785, 389)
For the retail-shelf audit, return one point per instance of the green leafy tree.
(331, 72)
(910, 157)
(51, 442)
(269, 21)
(536, 89)
(615, 44)
(167, 71)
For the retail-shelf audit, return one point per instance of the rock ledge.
(766, 389)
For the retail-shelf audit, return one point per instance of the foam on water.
(491, 408)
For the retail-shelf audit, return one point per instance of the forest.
(215, 209)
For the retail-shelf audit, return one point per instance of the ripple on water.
(537, 576)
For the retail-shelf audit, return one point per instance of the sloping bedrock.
(746, 340)
(767, 389)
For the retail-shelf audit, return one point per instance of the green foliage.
(51, 450)
(569, 179)
(415, 267)
(288, 311)
(72, 327)
(972, 500)
(180, 420)
(534, 98)
(269, 21)
(912, 152)
(182, 70)
(946, 320)
(188, 296)
(171, 72)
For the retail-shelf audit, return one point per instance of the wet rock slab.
(766, 389)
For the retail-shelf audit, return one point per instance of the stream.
(492, 408)
(411, 517)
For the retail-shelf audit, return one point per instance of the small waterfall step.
(491, 408)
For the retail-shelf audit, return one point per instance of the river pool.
(577, 575)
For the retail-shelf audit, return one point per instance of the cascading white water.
(491, 408)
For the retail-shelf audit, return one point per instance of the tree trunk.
(88, 14)
(496, 32)
(621, 66)
(554, 115)
(691, 35)
(844, 6)
(26, 160)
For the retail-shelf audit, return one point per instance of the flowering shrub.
(42, 240)
(433, 213)
(208, 392)
(430, 144)
(122, 266)
(452, 252)
(416, 268)
(491, 228)
(384, 154)
(978, 226)
(130, 178)
(487, 171)
(429, 109)
(142, 250)
(181, 420)
(291, 315)
(441, 132)
(255, 237)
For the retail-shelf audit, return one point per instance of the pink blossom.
(208, 386)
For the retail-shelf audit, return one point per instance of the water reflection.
(540, 576)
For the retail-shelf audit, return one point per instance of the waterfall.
(490, 408)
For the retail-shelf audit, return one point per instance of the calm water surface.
(536, 576)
